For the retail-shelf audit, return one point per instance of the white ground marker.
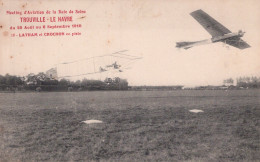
(92, 121)
(196, 110)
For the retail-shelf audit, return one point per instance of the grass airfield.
(137, 126)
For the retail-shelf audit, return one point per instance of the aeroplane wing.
(236, 42)
(211, 25)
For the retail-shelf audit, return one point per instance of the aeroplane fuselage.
(227, 36)
(187, 45)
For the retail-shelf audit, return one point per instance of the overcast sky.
(145, 28)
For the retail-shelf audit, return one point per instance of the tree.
(2, 80)
(13, 80)
(31, 79)
(228, 82)
(64, 82)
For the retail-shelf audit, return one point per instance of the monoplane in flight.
(218, 32)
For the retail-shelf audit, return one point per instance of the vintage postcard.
(129, 80)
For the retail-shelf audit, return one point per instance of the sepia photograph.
(129, 80)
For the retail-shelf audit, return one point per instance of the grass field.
(137, 126)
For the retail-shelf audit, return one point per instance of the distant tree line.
(243, 82)
(248, 82)
(40, 82)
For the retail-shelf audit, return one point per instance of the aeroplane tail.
(184, 45)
